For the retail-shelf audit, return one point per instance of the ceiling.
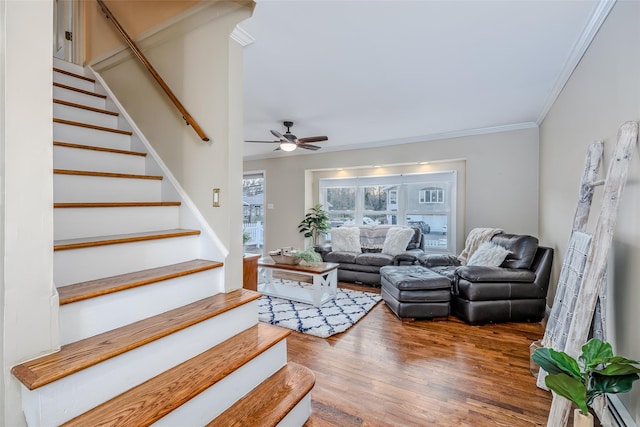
(374, 73)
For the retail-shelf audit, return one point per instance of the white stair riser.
(87, 136)
(68, 80)
(222, 395)
(71, 223)
(79, 265)
(97, 161)
(93, 316)
(299, 415)
(75, 114)
(75, 394)
(78, 188)
(78, 97)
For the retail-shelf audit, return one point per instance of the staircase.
(147, 333)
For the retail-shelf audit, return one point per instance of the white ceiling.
(372, 73)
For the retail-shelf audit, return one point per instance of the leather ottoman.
(413, 291)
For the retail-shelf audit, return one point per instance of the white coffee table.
(324, 288)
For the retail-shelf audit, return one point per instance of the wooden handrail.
(185, 114)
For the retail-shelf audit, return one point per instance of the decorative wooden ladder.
(595, 264)
(148, 334)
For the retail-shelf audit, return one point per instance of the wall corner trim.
(596, 20)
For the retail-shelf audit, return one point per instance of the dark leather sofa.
(515, 291)
(364, 266)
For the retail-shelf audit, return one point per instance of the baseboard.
(619, 412)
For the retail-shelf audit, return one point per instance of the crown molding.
(596, 20)
(409, 140)
(242, 37)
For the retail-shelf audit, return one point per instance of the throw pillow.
(397, 240)
(345, 239)
(488, 255)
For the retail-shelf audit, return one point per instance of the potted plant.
(597, 371)
(309, 256)
(315, 224)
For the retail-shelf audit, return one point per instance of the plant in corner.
(315, 224)
(597, 371)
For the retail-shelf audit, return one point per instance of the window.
(431, 195)
(424, 200)
(252, 211)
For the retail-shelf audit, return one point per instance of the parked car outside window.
(423, 226)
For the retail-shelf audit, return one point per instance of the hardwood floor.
(382, 372)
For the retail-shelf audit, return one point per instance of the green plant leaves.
(597, 371)
(556, 362)
(569, 388)
(595, 352)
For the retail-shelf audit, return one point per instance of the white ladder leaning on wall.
(576, 307)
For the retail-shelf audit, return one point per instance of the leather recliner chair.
(515, 291)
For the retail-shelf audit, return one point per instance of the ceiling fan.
(289, 142)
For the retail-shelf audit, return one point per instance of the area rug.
(333, 317)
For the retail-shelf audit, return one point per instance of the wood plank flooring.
(382, 372)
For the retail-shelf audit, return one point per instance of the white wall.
(28, 299)
(602, 93)
(203, 67)
(501, 188)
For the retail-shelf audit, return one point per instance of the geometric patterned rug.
(331, 318)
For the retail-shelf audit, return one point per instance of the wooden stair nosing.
(94, 148)
(155, 398)
(88, 126)
(69, 73)
(114, 204)
(85, 107)
(268, 403)
(75, 89)
(106, 174)
(94, 288)
(79, 355)
(89, 242)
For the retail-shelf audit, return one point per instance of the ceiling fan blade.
(266, 142)
(309, 147)
(313, 139)
(278, 135)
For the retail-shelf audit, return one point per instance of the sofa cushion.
(522, 249)
(374, 259)
(488, 254)
(345, 239)
(414, 278)
(341, 257)
(397, 240)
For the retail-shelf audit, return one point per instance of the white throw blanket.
(476, 237)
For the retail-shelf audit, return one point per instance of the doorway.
(67, 30)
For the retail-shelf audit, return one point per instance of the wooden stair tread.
(155, 398)
(75, 89)
(114, 204)
(268, 403)
(69, 73)
(95, 288)
(88, 126)
(105, 174)
(88, 242)
(79, 355)
(94, 148)
(85, 107)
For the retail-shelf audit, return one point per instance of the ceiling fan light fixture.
(287, 146)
